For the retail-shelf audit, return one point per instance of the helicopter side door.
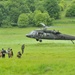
(50, 36)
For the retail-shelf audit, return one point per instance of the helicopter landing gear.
(72, 41)
(39, 40)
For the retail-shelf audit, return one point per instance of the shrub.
(40, 17)
(23, 20)
(53, 8)
(71, 11)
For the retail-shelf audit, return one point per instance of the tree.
(40, 6)
(62, 5)
(11, 12)
(23, 20)
(1, 17)
(2, 13)
(6, 23)
(31, 19)
(53, 8)
(31, 5)
(40, 17)
(16, 8)
(71, 11)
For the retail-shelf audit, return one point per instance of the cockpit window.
(33, 32)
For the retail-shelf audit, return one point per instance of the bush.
(40, 17)
(53, 8)
(62, 5)
(6, 23)
(23, 20)
(71, 11)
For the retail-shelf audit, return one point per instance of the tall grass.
(47, 58)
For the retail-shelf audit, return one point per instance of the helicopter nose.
(27, 35)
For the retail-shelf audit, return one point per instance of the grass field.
(51, 57)
(47, 58)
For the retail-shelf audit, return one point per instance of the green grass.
(65, 21)
(51, 57)
(47, 58)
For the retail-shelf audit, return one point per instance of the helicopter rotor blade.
(58, 26)
(43, 24)
(68, 26)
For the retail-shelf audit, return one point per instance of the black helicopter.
(49, 34)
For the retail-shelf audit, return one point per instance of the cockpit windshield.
(32, 33)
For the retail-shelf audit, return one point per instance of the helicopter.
(49, 34)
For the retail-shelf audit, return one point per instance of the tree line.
(24, 13)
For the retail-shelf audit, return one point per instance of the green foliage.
(31, 19)
(40, 17)
(23, 20)
(6, 23)
(62, 5)
(71, 11)
(31, 5)
(1, 17)
(2, 14)
(14, 8)
(53, 8)
(40, 6)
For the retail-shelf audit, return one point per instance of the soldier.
(3, 53)
(0, 53)
(22, 48)
(10, 53)
(19, 54)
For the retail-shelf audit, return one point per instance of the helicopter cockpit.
(31, 34)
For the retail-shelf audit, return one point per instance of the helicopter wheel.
(37, 39)
(40, 40)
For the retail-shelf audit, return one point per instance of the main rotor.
(44, 26)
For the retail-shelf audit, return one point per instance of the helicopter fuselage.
(49, 34)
